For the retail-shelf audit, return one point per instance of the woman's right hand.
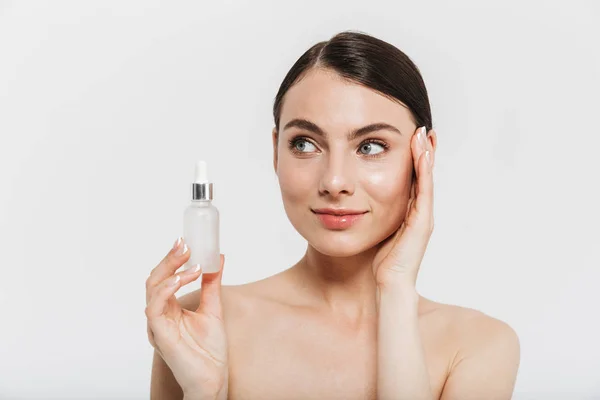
(192, 343)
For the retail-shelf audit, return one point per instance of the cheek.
(296, 181)
(388, 189)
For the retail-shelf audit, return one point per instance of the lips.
(338, 219)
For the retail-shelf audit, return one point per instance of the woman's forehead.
(327, 100)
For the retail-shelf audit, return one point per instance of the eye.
(372, 148)
(300, 145)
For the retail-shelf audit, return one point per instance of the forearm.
(401, 368)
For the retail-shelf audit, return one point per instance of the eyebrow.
(312, 127)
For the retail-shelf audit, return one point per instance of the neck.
(345, 286)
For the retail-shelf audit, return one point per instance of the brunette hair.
(368, 61)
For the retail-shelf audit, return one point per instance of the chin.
(340, 243)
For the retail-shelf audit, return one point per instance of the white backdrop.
(106, 105)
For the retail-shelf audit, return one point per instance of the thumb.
(210, 292)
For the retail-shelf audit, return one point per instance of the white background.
(106, 105)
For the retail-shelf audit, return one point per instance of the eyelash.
(292, 145)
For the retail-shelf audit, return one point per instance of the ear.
(275, 140)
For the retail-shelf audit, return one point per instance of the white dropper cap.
(202, 189)
(201, 172)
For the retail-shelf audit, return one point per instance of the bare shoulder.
(247, 297)
(241, 305)
(473, 328)
(485, 352)
(229, 295)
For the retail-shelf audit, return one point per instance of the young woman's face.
(321, 165)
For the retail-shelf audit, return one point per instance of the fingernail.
(421, 137)
(193, 270)
(173, 281)
(182, 250)
(177, 242)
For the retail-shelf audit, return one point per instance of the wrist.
(399, 287)
(395, 280)
(216, 391)
(399, 293)
(198, 395)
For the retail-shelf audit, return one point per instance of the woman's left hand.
(399, 258)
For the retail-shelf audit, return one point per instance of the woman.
(344, 322)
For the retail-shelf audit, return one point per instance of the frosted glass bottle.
(201, 224)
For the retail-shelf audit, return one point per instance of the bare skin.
(311, 331)
(282, 342)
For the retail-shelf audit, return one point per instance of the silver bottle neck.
(202, 191)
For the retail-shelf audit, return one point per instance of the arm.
(487, 367)
(401, 369)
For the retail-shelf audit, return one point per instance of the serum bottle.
(201, 224)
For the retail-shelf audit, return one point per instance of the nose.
(338, 176)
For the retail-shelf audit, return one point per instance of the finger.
(174, 259)
(422, 206)
(159, 307)
(418, 147)
(424, 197)
(210, 291)
(409, 207)
(422, 141)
